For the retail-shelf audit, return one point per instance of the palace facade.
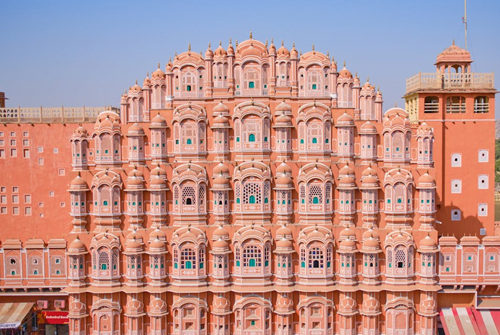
(256, 190)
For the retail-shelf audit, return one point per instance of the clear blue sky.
(75, 53)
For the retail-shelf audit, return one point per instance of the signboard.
(10, 325)
(56, 317)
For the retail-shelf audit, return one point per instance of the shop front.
(15, 318)
(55, 322)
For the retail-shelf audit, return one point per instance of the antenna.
(464, 20)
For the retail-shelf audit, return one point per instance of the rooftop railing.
(51, 114)
(440, 81)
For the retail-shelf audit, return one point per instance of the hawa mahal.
(256, 190)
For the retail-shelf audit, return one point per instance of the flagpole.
(465, 22)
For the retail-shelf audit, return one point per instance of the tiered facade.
(256, 191)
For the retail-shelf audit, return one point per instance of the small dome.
(79, 182)
(282, 51)
(369, 171)
(220, 244)
(368, 128)
(345, 73)
(134, 236)
(284, 244)
(221, 181)
(135, 130)
(221, 232)
(283, 231)
(135, 89)
(428, 242)
(345, 120)
(158, 181)
(220, 169)
(347, 233)
(371, 243)
(77, 244)
(283, 107)
(158, 121)
(157, 234)
(369, 180)
(133, 245)
(209, 53)
(284, 181)
(158, 171)
(220, 52)
(283, 119)
(134, 181)
(370, 233)
(157, 244)
(146, 82)
(221, 120)
(221, 108)
(426, 181)
(158, 73)
(283, 168)
(348, 243)
(347, 181)
(346, 171)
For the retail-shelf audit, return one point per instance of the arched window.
(252, 192)
(188, 195)
(252, 256)
(316, 258)
(251, 138)
(103, 260)
(188, 258)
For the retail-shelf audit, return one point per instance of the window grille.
(316, 258)
(315, 194)
(188, 259)
(252, 256)
(249, 190)
(188, 195)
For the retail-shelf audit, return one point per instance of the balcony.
(51, 114)
(450, 81)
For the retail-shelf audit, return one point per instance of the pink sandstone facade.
(256, 191)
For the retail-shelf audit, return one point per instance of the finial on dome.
(313, 46)
(136, 81)
(328, 54)
(236, 43)
(220, 43)
(300, 53)
(230, 41)
(344, 63)
(147, 75)
(293, 44)
(189, 47)
(266, 43)
(396, 104)
(251, 37)
(453, 43)
(368, 79)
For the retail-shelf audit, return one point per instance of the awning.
(470, 321)
(13, 313)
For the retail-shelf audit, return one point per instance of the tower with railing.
(458, 107)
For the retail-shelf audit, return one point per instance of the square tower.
(460, 107)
